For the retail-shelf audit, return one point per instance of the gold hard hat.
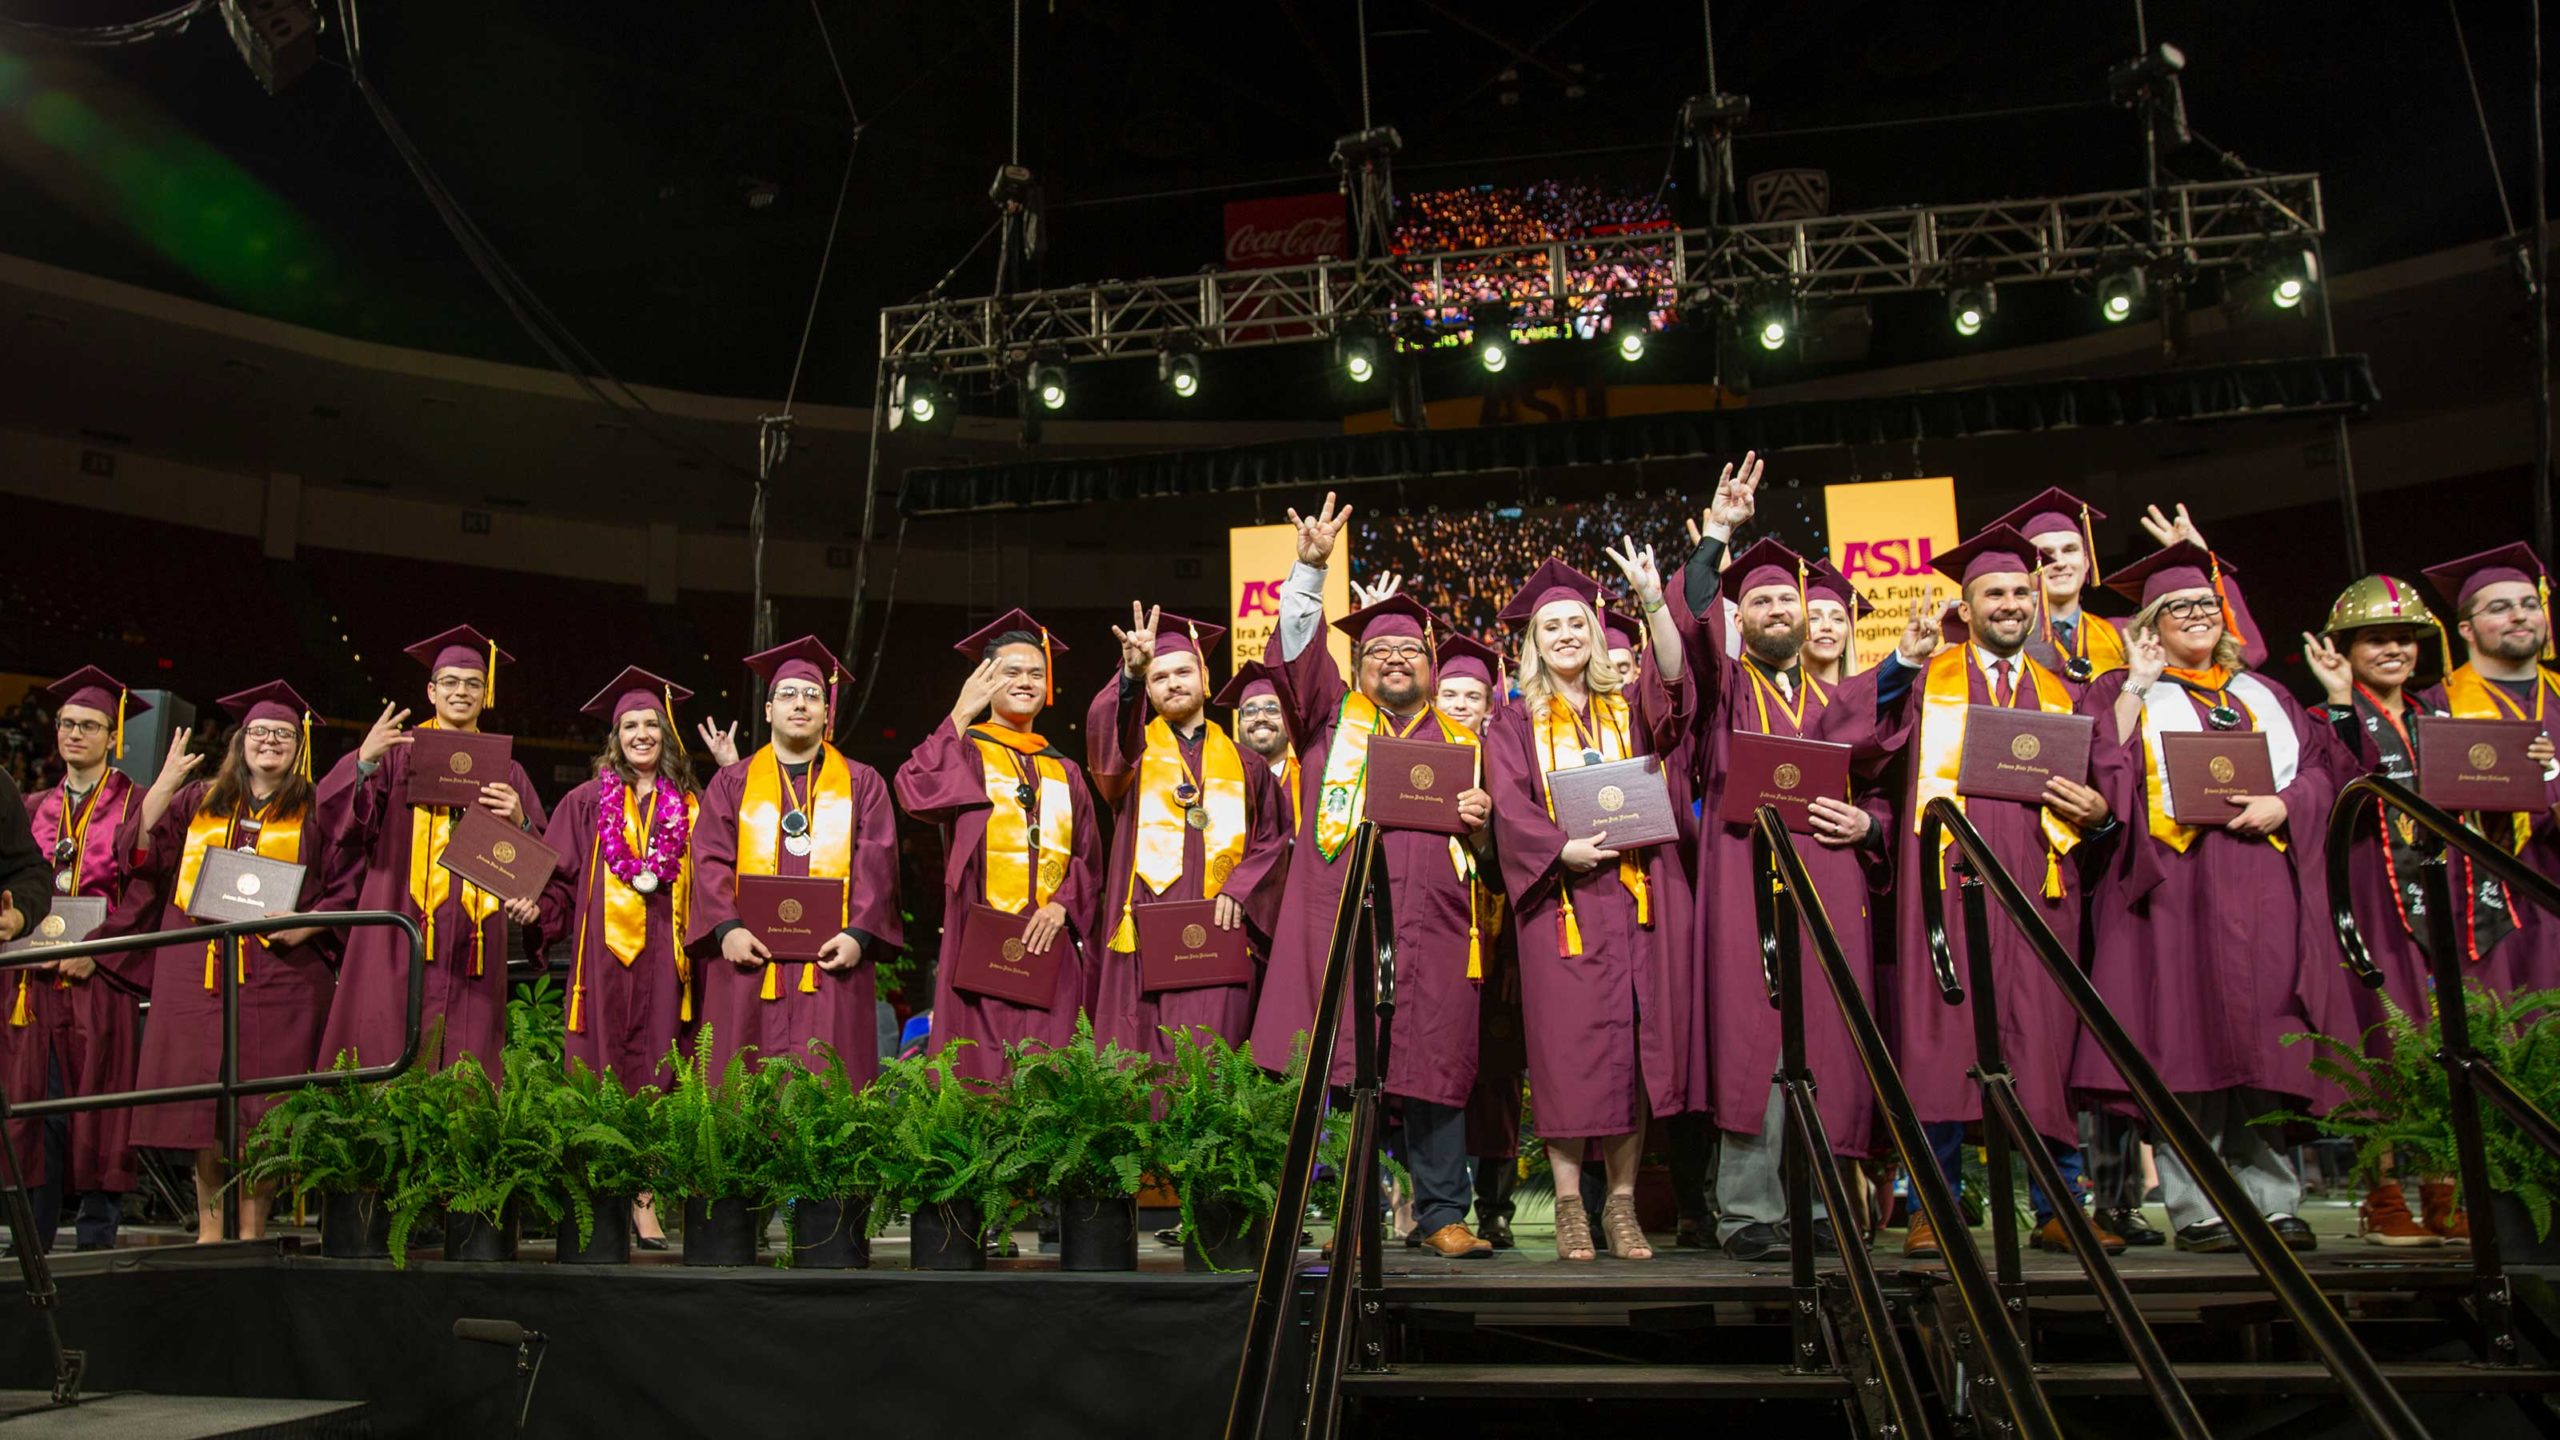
(2377, 600)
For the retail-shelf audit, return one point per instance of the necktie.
(2004, 690)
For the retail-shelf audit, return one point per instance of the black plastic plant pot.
(719, 1232)
(1229, 1237)
(828, 1234)
(473, 1237)
(355, 1225)
(609, 1243)
(2517, 1244)
(945, 1237)
(1098, 1234)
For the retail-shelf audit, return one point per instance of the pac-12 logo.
(1261, 597)
(1885, 559)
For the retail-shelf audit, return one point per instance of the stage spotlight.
(1491, 325)
(2120, 293)
(919, 401)
(1179, 367)
(1048, 382)
(1357, 348)
(1969, 306)
(2291, 276)
(1771, 318)
(1630, 325)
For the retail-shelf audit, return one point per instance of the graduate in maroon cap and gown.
(1019, 836)
(1767, 692)
(796, 807)
(393, 850)
(259, 799)
(2502, 612)
(73, 1030)
(1608, 973)
(1945, 688)
(1433, 879)
(2209, 942)
(1263, 728)
(1471, 683)
(1198, 817)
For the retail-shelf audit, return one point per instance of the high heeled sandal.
(1626, 1236)
(1573, 1230)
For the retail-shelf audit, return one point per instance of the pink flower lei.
(665, 856)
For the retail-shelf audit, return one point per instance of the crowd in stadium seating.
(1478, 217)
(1465, 563)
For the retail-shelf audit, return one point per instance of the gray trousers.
(1750, 1186)
(2265, 1172)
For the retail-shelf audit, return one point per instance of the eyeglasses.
(2191, 607)
(798, 692)
(1258, 709)
(1410, 653)
(81, 727)
(464, 684)
(2526, 605)
(269, 734)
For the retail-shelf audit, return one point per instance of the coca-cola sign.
(1284, 230)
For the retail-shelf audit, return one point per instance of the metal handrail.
(69, 1365)
(1788, 906)
(2381, 1406)
(2006, 1128)
(2468, 1074)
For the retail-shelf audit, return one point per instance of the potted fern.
(1081, 1122)
(486, 1154)
(942, 1162)
(337, 1142)
(829, 1134)
(608, 1153)
(1221, 1143)
(714, 1142)
(2399, 1099)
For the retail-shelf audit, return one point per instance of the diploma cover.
(239, 885)
(498, 856)
(1180, 947)
(1627, 798)
(1788, 773)
(2009, 754)
(792, 914)
(72, 919)
(2206, 768)
(2480, 765)
(994, 962)
(448, 767)
(1415, 784)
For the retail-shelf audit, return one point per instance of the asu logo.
(1260, 597)
(1885, 559)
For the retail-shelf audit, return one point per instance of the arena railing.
(2469, 1075)
(1789, 908)
(2384, 1412)
(225, 1090)
(1359, 961)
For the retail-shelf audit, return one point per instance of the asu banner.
(1883, 533)
(1258, 561)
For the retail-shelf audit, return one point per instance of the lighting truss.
(2190, 229)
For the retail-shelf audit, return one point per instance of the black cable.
(888, 607)
(132, 32)
(2497, 177)
(835, 221)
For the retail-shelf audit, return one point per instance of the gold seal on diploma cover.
(1014, 950)
(504, 852)
(460, 764)
(2222, 769)
(2483, 756)
(1612, 799)
(1195, 936)
(1787, 777)
(789, 912)
(1423, 777)
(2026, 747)
(246, 886)
(1053, 871)
(52, 927)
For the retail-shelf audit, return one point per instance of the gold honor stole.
(2470, 696)
(2101, 644)
(1946, 698)
(1295, 784)
(430, 830)
(830, 836)
(1158, 860)
(626, 911)
(1015, 885)
(1560, 739)
(280, 838)
(2166, 709)
(1344, 795)
(21, 1011)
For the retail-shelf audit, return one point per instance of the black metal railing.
(225, 1090)
(1359, 962)
(2384, 1411)
(1790, 908)
(2469, 1076)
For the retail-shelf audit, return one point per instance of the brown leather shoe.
(2444, 1215)
(1456, 1242)
(2051, 1236)
(1920, 1239)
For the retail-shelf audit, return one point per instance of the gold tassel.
(1048, 669)
(772, 988)
(302, 760)
(2542, 593)
(121, 693)
(2230, 625)
(808, 978)
(2052, 873)
(1571, 929)
(578, 995)
(2088, 546)
(212, 966)
(489, 685)
(20, 1013)
(668, 694)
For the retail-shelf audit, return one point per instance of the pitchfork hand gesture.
(1318, 535)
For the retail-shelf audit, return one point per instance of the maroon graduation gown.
(282, 1003)
(626, 1014)
(844, 1012)
(2534, 959)
(1123, 1011)
(1432, 1045)
(89, 1029)
(2210, 958)
(945, 783)
(1615, 1020)
(373, 985)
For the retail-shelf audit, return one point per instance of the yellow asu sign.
(1258, 561)
(1883, 535)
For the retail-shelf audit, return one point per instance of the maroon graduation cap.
(1251, 678)
(1552, 581)
(2057, 511)
(91, 688)
(1767, 562)
(274, 700)
(1012, 622)
(1464, 657)
(464, 648)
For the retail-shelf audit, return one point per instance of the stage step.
(1699, 1382)
(2251, 1377)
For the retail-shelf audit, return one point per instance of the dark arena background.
(659, 335)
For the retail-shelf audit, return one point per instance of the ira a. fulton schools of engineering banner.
(1258, 561)
(1883, 533)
